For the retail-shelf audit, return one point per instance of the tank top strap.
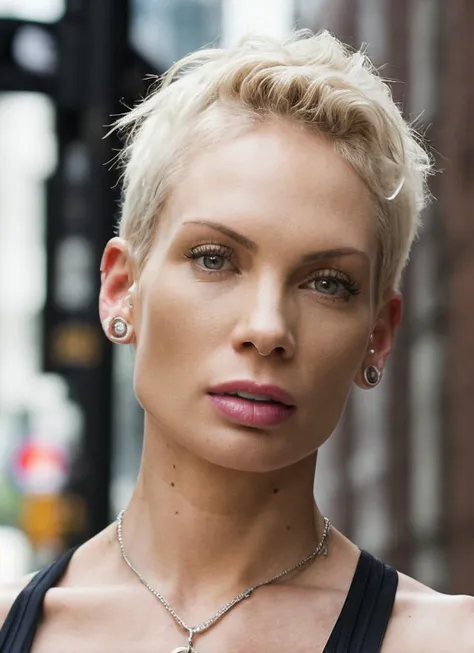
(360, 627)
(363, 621)
(18, 631)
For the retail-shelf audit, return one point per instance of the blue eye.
(334, 284)
(212, 261)
(327, 286)
(212, 258)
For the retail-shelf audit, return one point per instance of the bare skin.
(218, 506)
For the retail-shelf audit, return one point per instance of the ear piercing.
(371, 350)
(372, 376)
(128, 298)
(118, 329)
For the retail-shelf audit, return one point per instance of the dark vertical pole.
(401, 550)
(83, 206)
(456, 187)
(106, 30)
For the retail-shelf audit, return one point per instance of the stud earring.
(128, 298)
(372, 376)
(371, 350)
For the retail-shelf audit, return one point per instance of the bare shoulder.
(8, 594)
(424, 620)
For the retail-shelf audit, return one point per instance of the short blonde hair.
(313, 80)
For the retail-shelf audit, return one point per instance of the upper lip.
(250, 387)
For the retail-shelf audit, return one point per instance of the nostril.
(263, 350)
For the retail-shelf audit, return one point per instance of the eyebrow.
(242, 240)
(337, 252)
(253, 247)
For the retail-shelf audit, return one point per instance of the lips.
(252, 404)
(271, 392)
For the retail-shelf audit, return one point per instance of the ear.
(117, 285)
(382, 338)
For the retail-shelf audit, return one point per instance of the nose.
(264, 323)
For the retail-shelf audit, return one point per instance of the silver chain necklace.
(321, 549)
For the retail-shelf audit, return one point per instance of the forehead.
(280, 180)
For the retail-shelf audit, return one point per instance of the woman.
(272, 193)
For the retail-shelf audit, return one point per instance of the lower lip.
(251, 413)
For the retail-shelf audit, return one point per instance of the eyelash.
(213, 249)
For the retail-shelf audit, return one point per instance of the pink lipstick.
(252, 404)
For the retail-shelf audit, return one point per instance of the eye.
(211, 258)
(334, 284)
(327, 286)
(212, 261)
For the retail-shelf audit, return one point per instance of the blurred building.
(398, 473)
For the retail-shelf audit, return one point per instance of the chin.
(244, 449)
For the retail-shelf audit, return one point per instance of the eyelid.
(209, 244)
(209, 248)
(332, 273)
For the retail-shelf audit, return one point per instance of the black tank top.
(360, 627)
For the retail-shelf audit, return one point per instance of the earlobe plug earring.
(118, 329)
(372, 375)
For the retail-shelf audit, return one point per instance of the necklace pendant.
(184, 649)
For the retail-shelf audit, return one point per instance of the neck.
(189, 521)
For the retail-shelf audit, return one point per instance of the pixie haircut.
(314, 81)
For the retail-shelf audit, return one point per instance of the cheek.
(333, 349)
(331, 355)
(181, 325)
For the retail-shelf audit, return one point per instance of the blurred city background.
(398, 476)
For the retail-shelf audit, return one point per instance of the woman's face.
(262, 272)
